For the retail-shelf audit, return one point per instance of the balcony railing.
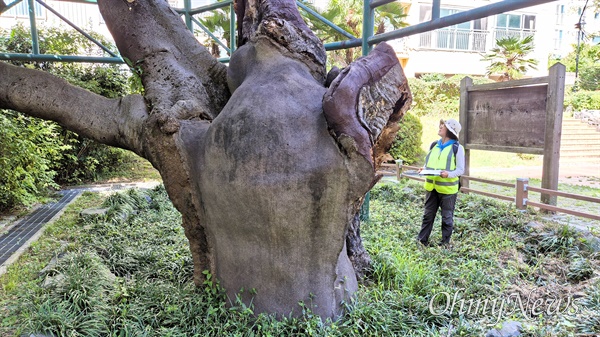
(467, 39)
(500, 33)
(454, 39)
(21, 10)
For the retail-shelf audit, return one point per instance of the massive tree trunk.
(266, 160)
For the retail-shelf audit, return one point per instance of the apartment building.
(566, 34)
(459, 49)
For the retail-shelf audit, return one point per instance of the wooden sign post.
(521, 116)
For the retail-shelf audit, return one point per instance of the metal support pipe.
(343, 44)
(232, 30)
(82, 1)
(58, 58)
(9, 6)
(209, 33)
(450, 20)
(324, 20)
(435, 10)
(88, 36)
(188, 17)
(35, 47)
(377, 3)
(368, 26)
(579, 36)
(202, 9)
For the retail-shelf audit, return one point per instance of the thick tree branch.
(115, 122)
(182, 80)
(365, 102)
(280, 22)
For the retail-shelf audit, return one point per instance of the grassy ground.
(129, 274)
(134, 168)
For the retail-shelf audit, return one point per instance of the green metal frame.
(366, 41)
(188, 12)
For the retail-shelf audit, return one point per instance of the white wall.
(422, 60)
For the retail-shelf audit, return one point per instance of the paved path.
(18, 236)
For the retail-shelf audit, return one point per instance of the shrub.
(27, 148)
(86, 160)
(590, 78)
(583, 100)
(436, 94)
(407, 145)
(78, 159)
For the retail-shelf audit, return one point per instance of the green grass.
(133, 168)
(129, 273)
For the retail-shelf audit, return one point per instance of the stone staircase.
(579, 142)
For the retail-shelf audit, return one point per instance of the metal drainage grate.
(17, 236)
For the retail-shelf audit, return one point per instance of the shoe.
(445, 245)
(421, 244)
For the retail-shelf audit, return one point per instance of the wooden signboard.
(511, 120)
(521, 116)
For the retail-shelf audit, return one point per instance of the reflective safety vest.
(438, 159)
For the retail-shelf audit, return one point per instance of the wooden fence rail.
(521, 187)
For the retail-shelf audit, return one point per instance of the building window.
(558, 39)
(560, 14)
(22, 10)
(516, 25)
(467, 36)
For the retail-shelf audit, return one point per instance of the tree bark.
(267, 165)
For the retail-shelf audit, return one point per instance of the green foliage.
(129, 273)
(580, 269)
(558, 242)
(582, 100)
(509, 57)
(587, 64)
(589, 56)
(218, 23)
(60, 154)
(589, 78)
(28, 146)
(348, 16)
(407, 145)
(434, 94)
(86, 160)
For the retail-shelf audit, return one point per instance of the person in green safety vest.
(447, 156)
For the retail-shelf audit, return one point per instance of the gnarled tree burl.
(267, 159)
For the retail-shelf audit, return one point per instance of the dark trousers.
(433, 201)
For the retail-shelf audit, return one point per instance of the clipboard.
(430, 172)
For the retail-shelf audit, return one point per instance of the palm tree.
(509, 57)
(348, 15)
(217, 22)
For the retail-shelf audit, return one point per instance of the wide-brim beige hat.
(452, 125)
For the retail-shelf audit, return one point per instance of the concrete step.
(582, 146)
(572, 121)
(585, 134)
(581, 136)
(577, 129)
(580, 153)
(579, 142)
